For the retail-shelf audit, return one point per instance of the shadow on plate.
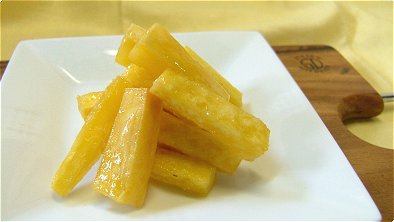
(248, 179)
(81, 195)
(250, 174)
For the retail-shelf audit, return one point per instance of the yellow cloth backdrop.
(361, 31)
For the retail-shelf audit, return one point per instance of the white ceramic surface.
(303, 176)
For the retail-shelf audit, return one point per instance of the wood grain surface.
(338, 93)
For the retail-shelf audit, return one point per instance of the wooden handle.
(339, 93)
(360, 106)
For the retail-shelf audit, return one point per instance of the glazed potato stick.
(191, 175)
(91, 139)
(144, 78)
(244, 134)
(235, 94)
(87, 101)
(185, 138)
(170, 117)
(158, 50)
(135, 33)
(193, 141)
(127, 163)
(136, 76)
(132, 36)
(169, 163)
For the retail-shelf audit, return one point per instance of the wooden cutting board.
(338, 93)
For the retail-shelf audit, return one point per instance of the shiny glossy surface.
(127, 162)
(91, 140)
(184, 137)
(158, 50)
(87, 101)
(234, 93)
(303, 176)
(134, 33)
(179, 136)
(193, 141)
(184, 172)
(243, 134)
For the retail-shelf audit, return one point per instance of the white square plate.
(303, 176)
